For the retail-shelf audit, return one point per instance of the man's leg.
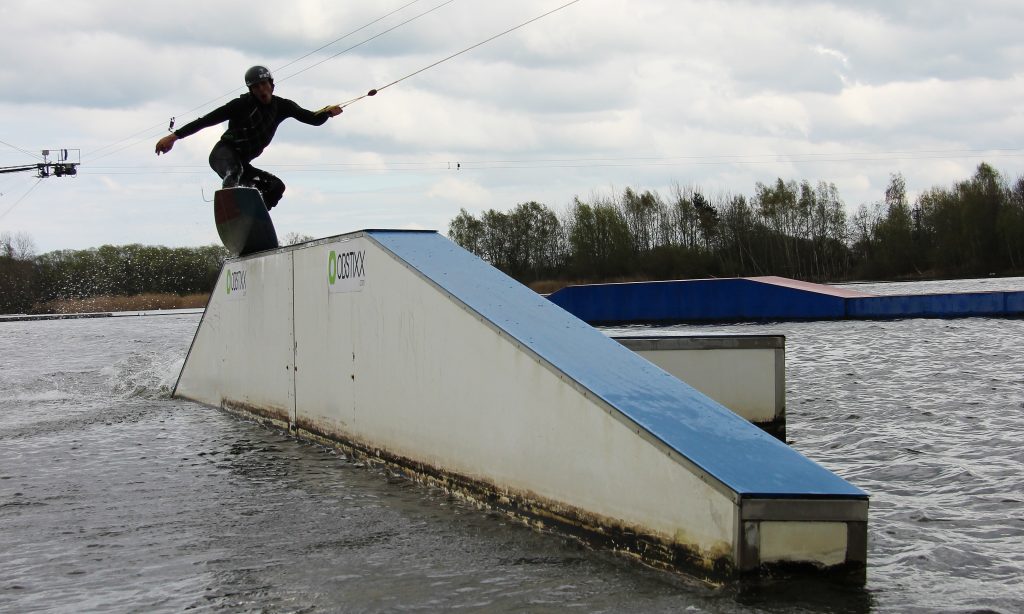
(226, 163)
(269, 185)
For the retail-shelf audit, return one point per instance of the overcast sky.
(600, 96)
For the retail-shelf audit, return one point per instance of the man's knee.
(225, 162)
(273, 194)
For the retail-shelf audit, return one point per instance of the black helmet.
(256, 74)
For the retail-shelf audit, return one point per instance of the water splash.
(148, 375)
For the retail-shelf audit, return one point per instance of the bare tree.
(294, 238)
(18, 245)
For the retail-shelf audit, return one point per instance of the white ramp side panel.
(404, 346)
(746, 373)
(241, 357)
(329, 313)
(421, 377)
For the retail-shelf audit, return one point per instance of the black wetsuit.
(251, 127)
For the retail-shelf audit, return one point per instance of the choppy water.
(115, 497)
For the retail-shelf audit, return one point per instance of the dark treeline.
(126, 270)
(798, 230)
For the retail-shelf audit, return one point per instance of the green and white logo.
(346, 270)
(235, 283)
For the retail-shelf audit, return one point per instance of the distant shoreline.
(115, 304)
(103, 314)
(101, 306)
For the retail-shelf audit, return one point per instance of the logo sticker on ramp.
(346, 267)
(235, 284)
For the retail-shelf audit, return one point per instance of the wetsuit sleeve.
(313, 118)
(214, 117)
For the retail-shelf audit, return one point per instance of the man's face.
(262, 91)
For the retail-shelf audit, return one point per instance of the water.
(114, 497)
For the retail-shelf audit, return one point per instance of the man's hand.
(165, 144)
(335, 110)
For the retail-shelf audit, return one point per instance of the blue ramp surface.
(964, 304)
(700, 299)
(767, 298)
(737, 453)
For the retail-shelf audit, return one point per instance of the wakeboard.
(242, 220)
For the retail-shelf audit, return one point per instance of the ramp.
(735, 299)
(767, 298)
(746, 373)
(407, 348)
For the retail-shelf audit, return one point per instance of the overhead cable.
(375, 36)
(149, 132)
(374, 91)
(600, 162)
(23, 197)
(341, 38)
(27, 153)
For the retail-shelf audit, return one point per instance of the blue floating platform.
(767, 298)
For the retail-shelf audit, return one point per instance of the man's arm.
(214, 117)
(166, 143)
(313, 118)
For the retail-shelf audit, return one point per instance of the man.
(252, 119)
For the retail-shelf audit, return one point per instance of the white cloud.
(720, 94)
(463, 193)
